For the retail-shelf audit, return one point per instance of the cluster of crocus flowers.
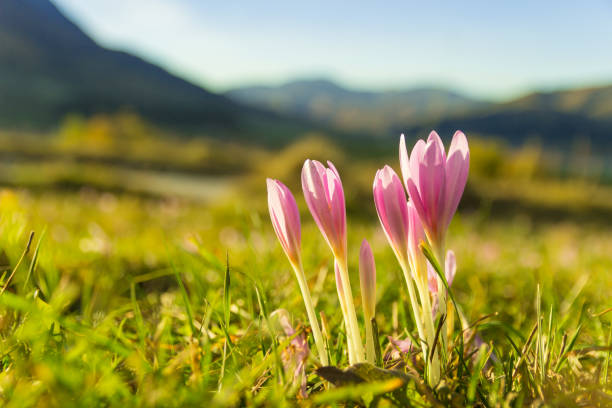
(324, 196)
(434, 181)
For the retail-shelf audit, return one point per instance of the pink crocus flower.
(435, 181)
(399, 349)
(325, 199)
(294, 356)
(285, 219)
(392, 208)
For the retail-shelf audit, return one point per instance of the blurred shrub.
(286, 164)
(104, 131)
(492, 158)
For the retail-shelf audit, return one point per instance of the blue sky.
(490, 49)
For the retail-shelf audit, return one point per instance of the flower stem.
(442, 307)
(415, 307)
(312, 316)
(349, 339)
(353, 327)
(433, 366)
(370, 350)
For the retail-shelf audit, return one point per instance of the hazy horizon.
(483, 51)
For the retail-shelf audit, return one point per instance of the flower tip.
(365, 250)
(433, 135)
(460, 143)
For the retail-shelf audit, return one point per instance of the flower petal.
(431, 187)
(450, 267)
(457, 168)
(285, 218)
(390, 200)
(435, 139)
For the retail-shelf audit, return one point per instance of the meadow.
(119, 291)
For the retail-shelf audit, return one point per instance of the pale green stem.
(370, 350)
(433, 366)
(349, 339)
(415, 307)
(442, 308)
(353, 328)
(312, 316)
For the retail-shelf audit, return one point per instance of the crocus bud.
(435, 181)
(392, 208)
(325, 199)
(367, 280)
(285, 219)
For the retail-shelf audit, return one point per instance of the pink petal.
(285, 218)
(435, 139)
(416, 157)
(432, 279)
(404, 159)
(416, 234)
(390, 200)
(457, 168)
(410, 172)
(450, 267)
(325, 199)
(403, 346)
(337, 206)
(431, 186)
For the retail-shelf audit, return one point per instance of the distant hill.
(49, 67)
(559, 118)
(327, 102)
(594, 102)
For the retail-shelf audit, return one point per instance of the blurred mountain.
(563, 119)
(49, 68)
(589, 102)
(326, 102)
(560, 118)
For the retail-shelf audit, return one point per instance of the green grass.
(141, 287)
(135, 301)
